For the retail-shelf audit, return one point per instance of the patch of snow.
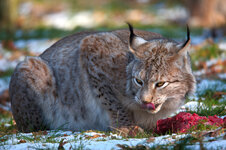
(111, 144)
(211, 62)
(194, 97)
(174, 13)
(6, 107)
(25, 8)
(199, 72)
(195, 40)
(7, 125)
(222, 99)
(35, 46)
(193, 106)
(219, 144)
(222, 75)
(222, 46)
(79, 140)
(143, 1)
(6, 64)
(222, 117)
(4, 84)
(66, 20)
(214, 85)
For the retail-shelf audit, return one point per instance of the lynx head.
(159, 73)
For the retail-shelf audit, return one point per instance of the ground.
(208, 55)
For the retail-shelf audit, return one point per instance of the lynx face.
(159, 73)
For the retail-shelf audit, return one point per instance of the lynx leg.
(30, 84)
(102, 74)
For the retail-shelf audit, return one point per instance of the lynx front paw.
(130, 131)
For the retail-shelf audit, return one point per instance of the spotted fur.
(86, 81)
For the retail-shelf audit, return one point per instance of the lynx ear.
(182, 54)
(183, 48)
(134, 40)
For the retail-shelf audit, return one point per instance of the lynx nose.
(147, 102)
(147, 99)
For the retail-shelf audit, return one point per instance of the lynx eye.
(139, 82)
(161, 84)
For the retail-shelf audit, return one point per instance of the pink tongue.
(149, 106)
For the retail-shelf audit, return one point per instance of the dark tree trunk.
(8, 15)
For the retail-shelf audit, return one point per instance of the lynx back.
(102, 80)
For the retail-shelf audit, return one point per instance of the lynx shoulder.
(102, 80)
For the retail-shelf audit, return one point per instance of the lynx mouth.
(151, 107)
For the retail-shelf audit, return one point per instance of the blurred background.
(28, 27)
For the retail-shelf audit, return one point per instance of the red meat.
(183, 121)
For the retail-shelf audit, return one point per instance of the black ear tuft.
(188, 37)
(134, 42)
(132, 35)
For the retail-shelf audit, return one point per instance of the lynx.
(102, 81)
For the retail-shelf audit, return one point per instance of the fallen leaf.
(134, 131)
(217, 95)
(45, 132)
(22, 141)
(95, 136)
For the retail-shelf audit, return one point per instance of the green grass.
(210, 105)
(208, 110)
(6, 118)
(170, 31)
(202, 127)
(145, 134)
(207, 52)
(207, 98)
(180, 144)
(6, 73)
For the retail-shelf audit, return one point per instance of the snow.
(193, 106)
(68, 21)
(6, 107)
(7, 64)
(222, 75)
(174, 13)
(210, 63)
(214, 85)
(34, 45)
(195, 40)
(222, 99)
(80, 140)
(25, 8)
(90, 140)
(216, 144)
(4, 84)
(222, 45)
